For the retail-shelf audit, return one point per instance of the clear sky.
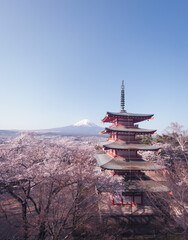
(64, 60)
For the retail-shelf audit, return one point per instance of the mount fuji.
(81, 128)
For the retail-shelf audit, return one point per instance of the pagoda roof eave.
(127, 146)
(137, 117)
(122, 164)
(127, 130)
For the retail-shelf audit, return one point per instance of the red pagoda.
(122, 160)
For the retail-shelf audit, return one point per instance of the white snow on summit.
(84, 122)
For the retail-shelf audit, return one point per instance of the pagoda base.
(107, 209)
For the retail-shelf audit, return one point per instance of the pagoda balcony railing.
(124, 125)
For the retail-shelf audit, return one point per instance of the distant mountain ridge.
(5, 133)
(81, 128)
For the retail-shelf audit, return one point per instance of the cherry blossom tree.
(49, 181)
(172, 207)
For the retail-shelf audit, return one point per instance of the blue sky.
(64, 60)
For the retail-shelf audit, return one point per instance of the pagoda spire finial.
(122, 97)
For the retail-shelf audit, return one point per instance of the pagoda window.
(132, 199)
(117, 199)
(127, 199)
(138, 199)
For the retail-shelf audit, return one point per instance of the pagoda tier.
(121, 145)
(108, 162)
(119, 151)
(126, 117)
(122, 129)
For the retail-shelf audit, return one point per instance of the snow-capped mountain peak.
(84, 122)
(81, 128)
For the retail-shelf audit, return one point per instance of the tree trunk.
(25, 222)
(42, 231)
